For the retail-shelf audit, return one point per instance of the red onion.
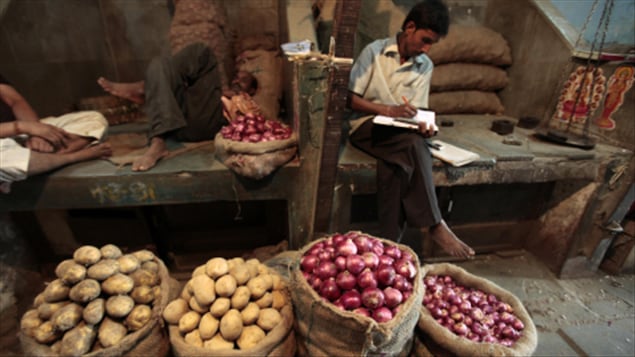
(386, 260)
(372, 298)
(460, 329)
(392, 251)
(402, 284)
(457, 316)
(351, 299)
(377, 248)
(382, 314)
(337, 239)
(405, 268)
(371, 260)
(362, 311)
(340, 263)
(518, 325)
(385, 275)
(489, 339)
(366, 279)
(345, 280)
(477, 314)
(330, 290)
(324, 255)
(363, 244)
(309, 262)
(315, 282)
(345, 248)
(355, 264)
(326, 269)
(393, 297)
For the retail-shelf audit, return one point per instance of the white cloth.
(14, 158)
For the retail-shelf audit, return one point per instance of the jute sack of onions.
(465, 315)
(253, 146)
(232, 308)
(355, 294)
(103, 303)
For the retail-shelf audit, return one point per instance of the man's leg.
(132, 91)
(44, 162)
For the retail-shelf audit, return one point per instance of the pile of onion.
(360, 273)
(471, 313)
(255, 128)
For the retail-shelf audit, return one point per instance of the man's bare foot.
(97, 151)
(155, 152)
(134, 92)
(447, 240)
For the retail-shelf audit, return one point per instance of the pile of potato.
(99, 297)
(228, 304)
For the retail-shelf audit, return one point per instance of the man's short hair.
(431, 15)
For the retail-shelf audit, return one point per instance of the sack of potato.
(232, 307)
(355, 294)
(103, 303)
(465, 315)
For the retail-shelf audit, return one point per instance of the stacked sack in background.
(232, 307)
(469, 68)
(103, 303)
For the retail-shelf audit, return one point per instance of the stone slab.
(604, 339)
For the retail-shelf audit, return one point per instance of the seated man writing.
(30, 146)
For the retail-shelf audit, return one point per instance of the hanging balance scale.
(581, 93)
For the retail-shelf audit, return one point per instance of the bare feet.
(155, 152)
(134, 92)
(447, 240)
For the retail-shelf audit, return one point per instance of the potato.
(216, 267)
(199, 270)
(38, 300)
(110, 332)
(268, 279)
(118, 284)
(278, 282)
(144, 277)
(150, 266)
(265, 301)
(110, 251)
(225, 286)
(268, 319)
(46, 333)
(203, 288)
(138, 317)
(119, 306)
(30, 321)
(189, 321)
(258, 287)
(234, 261)
(250, 337)
(67, 317)
(73, 273)
(128, 263)
(208, 326)
(187, 292)
(143, 255)
(250, 313)
(175, 310)
(220, 307)
(142, 294)
(46, 310)
(85, 291)
(218, 343)
(78, 341)
(103, 269)
(263, 269)
(240, 272)
(240, 298)
(194, 338)
(56, 347)
(94, 311)
(279, 299)
(252, 265)
(231, 325)
(194, 305)
(87, 255)
(156, 291)
(56, 291)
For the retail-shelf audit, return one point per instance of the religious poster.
(617, 86)
(580, 96)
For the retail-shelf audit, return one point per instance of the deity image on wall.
(581, 95)
(619, 83)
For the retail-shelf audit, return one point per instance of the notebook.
(407, 123)
(452, 154)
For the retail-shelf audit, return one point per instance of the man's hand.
(428, 129)
(43, 137)
(401, 111)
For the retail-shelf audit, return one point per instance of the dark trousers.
(405, 188)
(182, 95)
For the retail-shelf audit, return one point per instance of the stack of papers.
(423, 116)
(451, 154)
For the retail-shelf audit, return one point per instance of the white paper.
(453, 155)
(422, 116)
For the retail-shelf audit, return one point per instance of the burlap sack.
(255, 160)
(266, 66)
(466, 102)
(325, 330)
(280, 341)
(150, 340)
(445, 340)
(468, 76)
(476, 44)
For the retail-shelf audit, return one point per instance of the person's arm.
(20, 107)
(359, 104)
